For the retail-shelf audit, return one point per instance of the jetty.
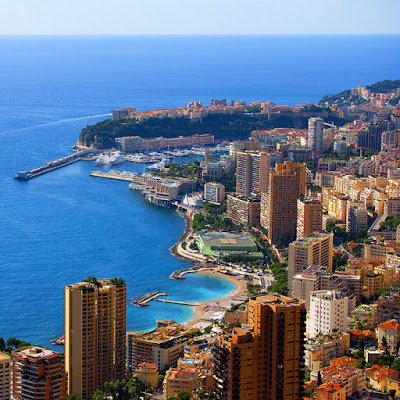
(55, 164)
(183, 303)
(179, 274)
(144, 300)
(119, 175)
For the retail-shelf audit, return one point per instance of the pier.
(53, 165)
(179, 274)
(144, 300)
(122, 176)
(183, 303)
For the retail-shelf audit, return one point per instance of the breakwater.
(144, 300)
(55, 164)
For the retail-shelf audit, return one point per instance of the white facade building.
(329, 310)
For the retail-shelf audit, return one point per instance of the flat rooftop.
(224, 239)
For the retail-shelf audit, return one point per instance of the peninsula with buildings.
(304, 218)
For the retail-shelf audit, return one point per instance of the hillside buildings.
(95, 334)
(265, 360)
(38, 374)
(137, 143)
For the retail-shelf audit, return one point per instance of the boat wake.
(61, 121)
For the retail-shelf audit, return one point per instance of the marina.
(144, 300)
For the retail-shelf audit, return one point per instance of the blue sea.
(63, 226)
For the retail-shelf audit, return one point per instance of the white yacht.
(102, 159)
(116, 158)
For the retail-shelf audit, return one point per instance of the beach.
(211, 308)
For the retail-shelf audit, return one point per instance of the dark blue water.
(61, 227)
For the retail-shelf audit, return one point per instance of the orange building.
(278, 211)
(95, 334)
(148, 373)
(38, 374)
(309, 217)
(330, 391)
(299, 169)
(265, 360)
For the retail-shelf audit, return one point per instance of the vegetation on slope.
(222, 126)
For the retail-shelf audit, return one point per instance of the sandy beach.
(218, 305)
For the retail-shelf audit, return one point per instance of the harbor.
(55, 164)
(144, 300)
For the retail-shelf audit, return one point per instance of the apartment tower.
(309, 217)
(279, 206)
(316, 249)
(264, 361)
(316, 135)
(300, 170)
(95, 334)
(38, 374)
(252, 173)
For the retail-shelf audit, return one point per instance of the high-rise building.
(243, 211)
(95, 334)
(5, 392)
(252, 173)
(329, 310)
(316, 249)
(266, 359)
(316, 135)
(373, 137)
(309, 217)
(279, 207)
(214, 192)
(243, 145)
(300, 170)
(38, 374)
(356, 216)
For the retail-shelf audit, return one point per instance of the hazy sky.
(198, 17)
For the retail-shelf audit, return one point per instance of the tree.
(396, 364)
(319, 379)
(184, 396)
(13, 343)
(384, 344)
(74, 397)
(2, 344)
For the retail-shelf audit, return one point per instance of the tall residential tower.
(95, 334)
(264, 361)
